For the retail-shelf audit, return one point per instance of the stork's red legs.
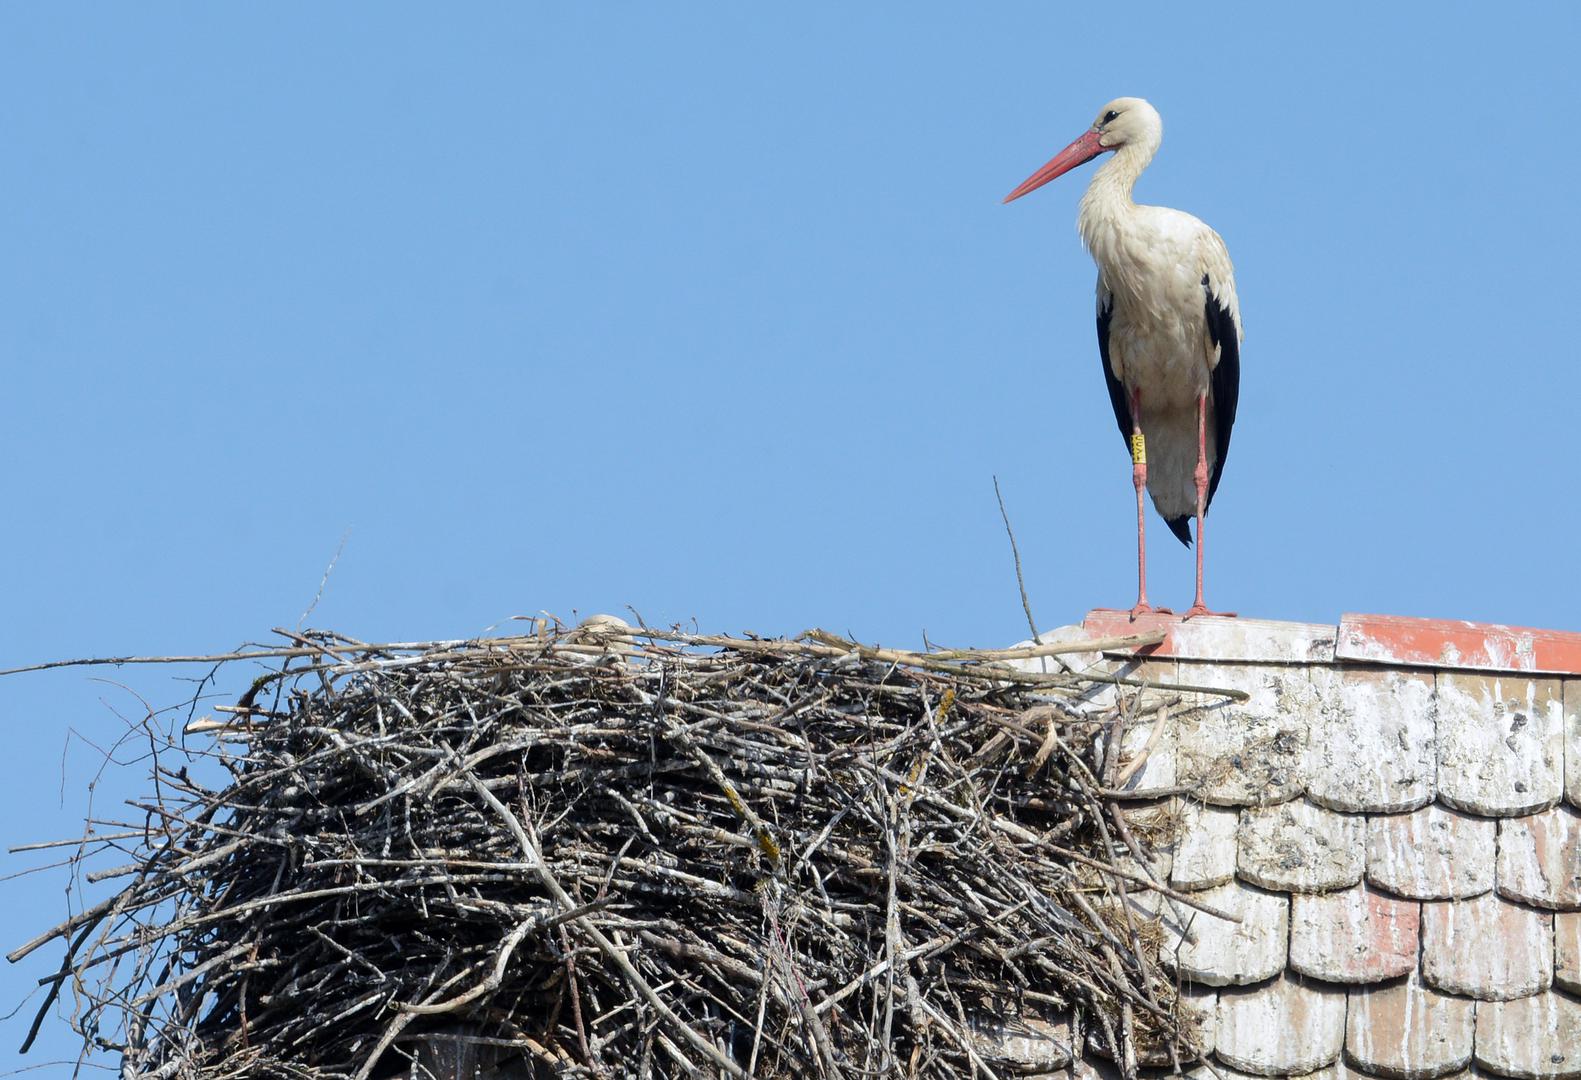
(1139, 481)
(1201, 477)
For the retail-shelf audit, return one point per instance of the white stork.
(1169, 327)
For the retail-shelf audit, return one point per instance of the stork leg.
(1201, 477)
(1139, 481)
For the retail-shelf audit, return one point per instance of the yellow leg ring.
(1138, 449)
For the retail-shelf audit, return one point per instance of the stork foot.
(1144, 608)
(1202, 609)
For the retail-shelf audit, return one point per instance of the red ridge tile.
(1452, 643)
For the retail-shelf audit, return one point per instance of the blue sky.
(714, 311)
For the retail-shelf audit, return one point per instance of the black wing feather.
(1117, 395)
(1225, 382)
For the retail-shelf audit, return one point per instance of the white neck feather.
(1107, 204)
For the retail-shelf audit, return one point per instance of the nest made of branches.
(611, 852)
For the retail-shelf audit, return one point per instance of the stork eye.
(1109, 116)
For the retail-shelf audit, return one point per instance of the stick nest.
(615, 852)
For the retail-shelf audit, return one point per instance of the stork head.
(1124, 122)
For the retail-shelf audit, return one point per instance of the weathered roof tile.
(1246, 754)
(1572, 710)
(1537, 1038)
(1540, 859)
(1353, 936)
(1282, 1027)
(1216, 952)
(1217, 1071)
(1372, 745)
(1407, 1030)
(1143, 902)
(1343, 1070)
(1199, 1007)
(1205, 851)
(1148, 745)
(1029, 1042)
(1199, 1015)
(1145, 821)
(1487, 948)
(1222, 639)
(1567, 950)
(1061, 635)
(1220, 1071)
(1092, 1067)
(1500, 743)
(1300, 847)
(1431, 854)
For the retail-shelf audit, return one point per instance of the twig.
(611, 953)
(323, 581)
(1015, 555)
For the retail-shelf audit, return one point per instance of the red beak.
(1077, 153)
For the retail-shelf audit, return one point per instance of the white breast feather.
(1151, 263)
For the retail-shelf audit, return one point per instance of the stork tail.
(1181, 527)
